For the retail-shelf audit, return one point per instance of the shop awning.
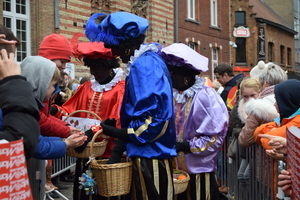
(241, 69)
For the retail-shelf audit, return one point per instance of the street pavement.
(68, 193)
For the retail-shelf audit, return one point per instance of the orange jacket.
(272, 128)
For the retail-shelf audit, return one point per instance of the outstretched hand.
(109, 128)
(110, 122)
(75, 140)
(8, 66)
(277, 143)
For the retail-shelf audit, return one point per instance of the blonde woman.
(249, 88)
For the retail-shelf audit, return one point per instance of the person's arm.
(271, 129)
(233, 119)
(50, 127)
(55, 147)
(20, 111)
(246, 138)
(50, 148)
(209, 121)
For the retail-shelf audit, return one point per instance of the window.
(16, 17)
(296, 27)
(191, 9)
(240, 50)
(240, 18)
(297, 17)
(214, 12)
(289, 56)
(214, 58)
(192, 45)
(270, 51)
(281, 54)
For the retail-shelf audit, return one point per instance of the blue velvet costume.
(147, 109)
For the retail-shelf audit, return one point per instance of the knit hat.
(258, 69)
(117, 27)
(179, 54)
(55, 46)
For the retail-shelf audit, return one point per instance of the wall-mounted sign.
(241, 31)
(261, 44)
(70, 70)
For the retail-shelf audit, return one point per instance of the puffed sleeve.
(207, 123)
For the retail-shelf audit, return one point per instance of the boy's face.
(50, 90)
(60, 63)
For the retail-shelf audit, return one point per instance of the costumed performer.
(102, 95)
(147, 118)
(201, 120)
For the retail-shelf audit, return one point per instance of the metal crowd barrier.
(59, 166)
(263, 175)
(62, 164)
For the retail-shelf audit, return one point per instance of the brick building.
(204, 26)
(258, 33)
(32, 20)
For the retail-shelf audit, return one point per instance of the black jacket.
(229, 85)
(20, 112)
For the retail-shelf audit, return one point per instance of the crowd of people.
(161, 114)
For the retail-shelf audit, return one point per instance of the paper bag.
(14, 182)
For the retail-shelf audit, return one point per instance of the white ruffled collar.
(138, 52)
(190, 92)
(97, 87)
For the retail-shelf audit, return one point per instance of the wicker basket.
(112, 179)
(99, 147)
(180, 185)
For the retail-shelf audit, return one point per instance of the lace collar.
(108, 86)
(190, 92)
(138, 52)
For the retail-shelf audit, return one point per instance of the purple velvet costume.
(205, 129)
(201, 116)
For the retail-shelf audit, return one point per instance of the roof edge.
(276, 25)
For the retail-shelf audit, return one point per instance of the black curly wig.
(183, 70)
(129, 42)
(101, 62)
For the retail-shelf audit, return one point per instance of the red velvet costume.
(103, 99)
(105, 104)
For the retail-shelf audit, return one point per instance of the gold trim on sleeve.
(144, 127)
(207, 145)
(162, 131)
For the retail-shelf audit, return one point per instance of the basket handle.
(92, 143)
(85, 111)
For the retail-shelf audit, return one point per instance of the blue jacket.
(50, 148)
(47, 147)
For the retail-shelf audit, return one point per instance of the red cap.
(93, 50)
(55, 46)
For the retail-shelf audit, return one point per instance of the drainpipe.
(176, 21)
(56, 14)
